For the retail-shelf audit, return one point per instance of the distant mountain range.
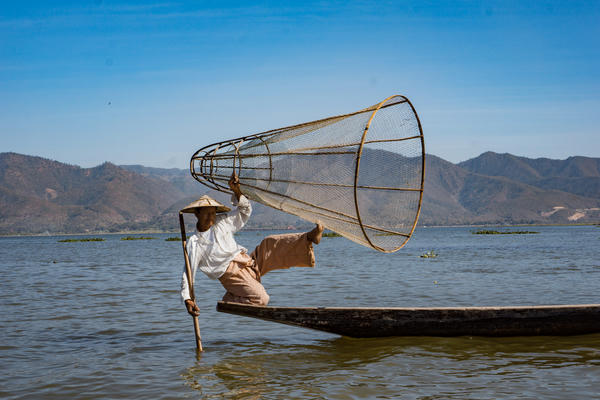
(505, 189)
(38, 195)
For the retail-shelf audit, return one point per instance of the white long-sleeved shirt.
(213, 250)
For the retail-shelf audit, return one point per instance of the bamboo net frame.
(359, 174)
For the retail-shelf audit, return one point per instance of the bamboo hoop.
(356, 175)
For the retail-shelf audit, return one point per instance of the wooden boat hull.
(448, 321)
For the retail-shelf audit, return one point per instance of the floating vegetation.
(429, 254)
(81, 240)
(137, 238)
(173, 239)
(492, 232)
(331, 234)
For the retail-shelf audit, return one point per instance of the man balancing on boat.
(214, 251)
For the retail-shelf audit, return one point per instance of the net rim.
(357, 173)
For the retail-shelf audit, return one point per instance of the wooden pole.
(188, 274)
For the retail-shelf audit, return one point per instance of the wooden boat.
(444, 321)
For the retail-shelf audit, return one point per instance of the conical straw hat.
(205, 201)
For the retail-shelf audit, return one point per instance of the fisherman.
(214, 251)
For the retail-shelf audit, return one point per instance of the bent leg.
(284, 251)
(242, 286)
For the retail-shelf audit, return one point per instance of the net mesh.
(360, 174)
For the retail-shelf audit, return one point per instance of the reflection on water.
(104, 320)
(388, 367)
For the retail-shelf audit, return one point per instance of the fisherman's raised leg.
(287, 250)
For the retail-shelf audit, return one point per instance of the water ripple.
(105, 321)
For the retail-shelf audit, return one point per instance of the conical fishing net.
(360, 174)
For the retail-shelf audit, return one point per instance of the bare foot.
(316, 234)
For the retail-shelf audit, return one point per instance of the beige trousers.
(242, 278)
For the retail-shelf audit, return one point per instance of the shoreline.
(506, 225)
(148, 232)
(177, 232)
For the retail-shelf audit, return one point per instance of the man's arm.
(190, 305)
(238, 217)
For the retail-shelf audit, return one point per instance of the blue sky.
(142, 82)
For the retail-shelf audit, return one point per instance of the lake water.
(104, 320)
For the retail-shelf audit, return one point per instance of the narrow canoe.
(575, 319)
